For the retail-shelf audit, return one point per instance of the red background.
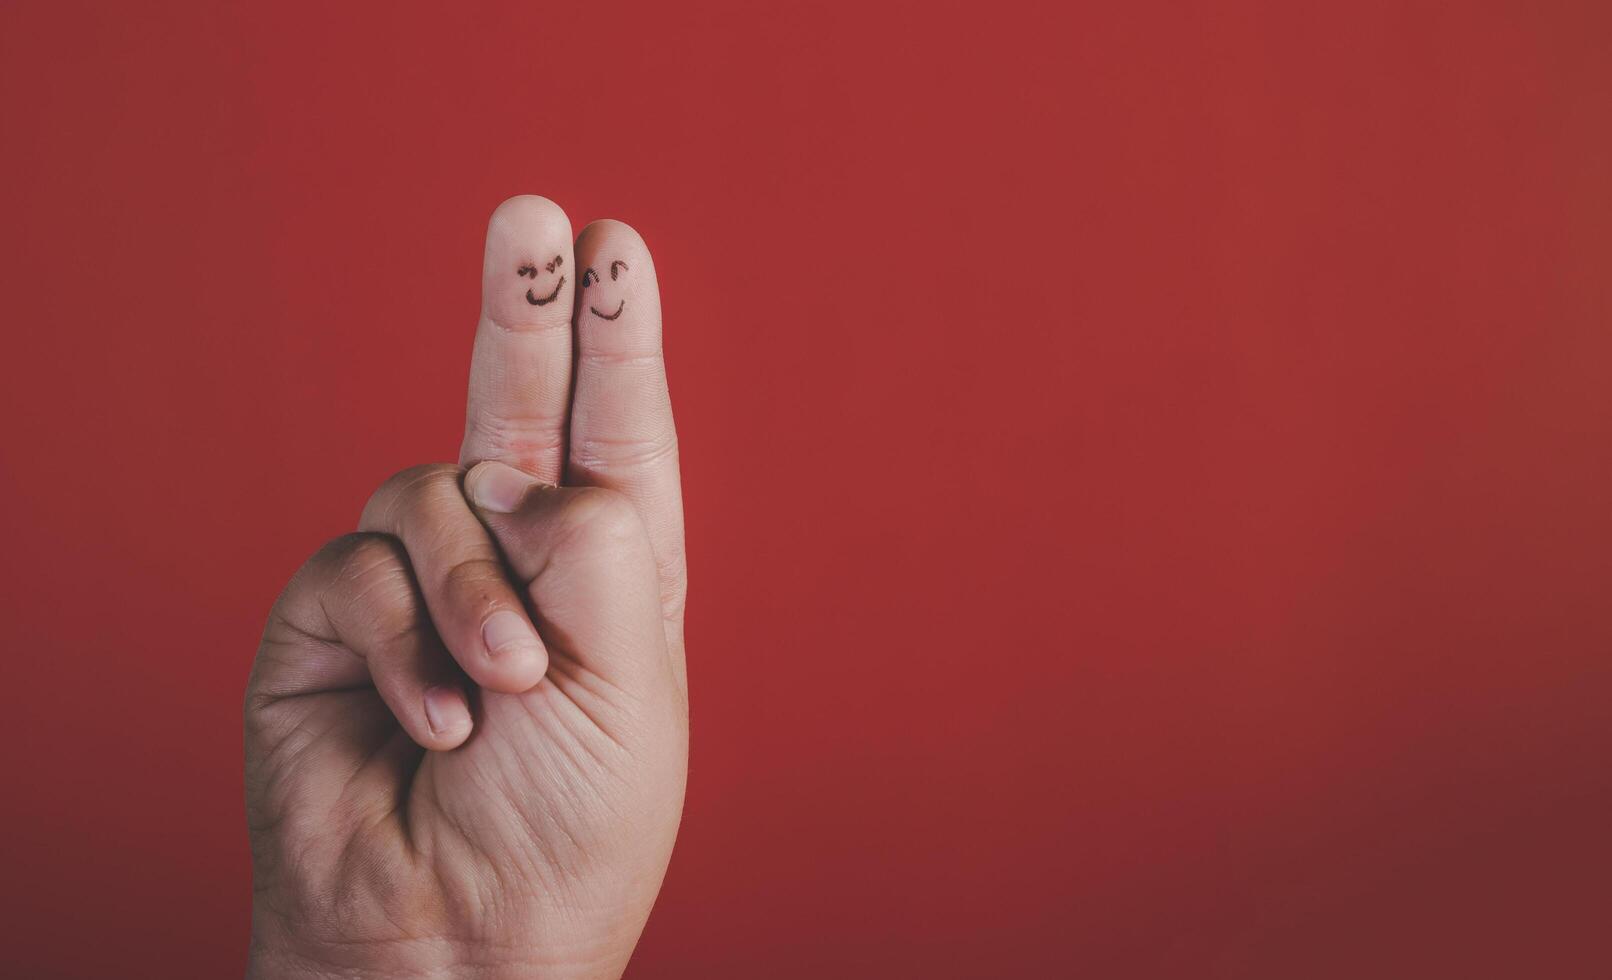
(1147, 467)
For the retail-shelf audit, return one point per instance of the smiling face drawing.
(590, 278)
(529, 271)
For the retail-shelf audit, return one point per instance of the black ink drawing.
(590, 277)
(529, 271)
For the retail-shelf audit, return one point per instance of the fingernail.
(507, 634)
(445, 710)
(496, 487)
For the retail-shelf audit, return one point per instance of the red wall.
(1147, 466)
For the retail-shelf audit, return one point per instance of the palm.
(565, 780)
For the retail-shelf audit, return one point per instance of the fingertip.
(528, 212)
(447, 716)
(610, 229)
(527, 279)
(618, 296)
(516, 657)
(519, 676)
(496, 487)
(612, 248)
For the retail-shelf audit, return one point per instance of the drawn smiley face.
(529, 271)
(590, 277)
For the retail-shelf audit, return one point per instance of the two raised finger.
(614, 428)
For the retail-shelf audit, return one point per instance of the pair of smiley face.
(589, 277)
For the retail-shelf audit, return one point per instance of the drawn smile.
(540, 301)
(608, 316)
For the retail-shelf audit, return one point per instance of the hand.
(406, 823)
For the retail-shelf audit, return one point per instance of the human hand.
(406, 823)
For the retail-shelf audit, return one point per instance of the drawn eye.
(529, 271)
(613, 268)
(589, 278)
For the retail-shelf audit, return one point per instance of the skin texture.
(435, 785)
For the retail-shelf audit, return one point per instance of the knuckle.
(522, 442)
(374, 578)
(407, 490)
(343, 560)
(602, 453)
(611, 229)
(550, 324)
(363, 556)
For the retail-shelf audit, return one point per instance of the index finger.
(520, 372)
